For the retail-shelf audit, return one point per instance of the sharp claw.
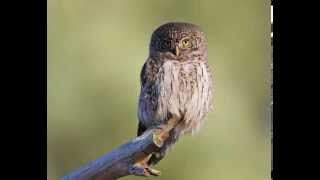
(153, 172)
(144, 171)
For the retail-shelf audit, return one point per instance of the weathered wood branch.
(124, 160)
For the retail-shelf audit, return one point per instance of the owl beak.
(176, 52)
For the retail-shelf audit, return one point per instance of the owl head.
(178, 41)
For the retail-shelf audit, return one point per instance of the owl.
(176, 82)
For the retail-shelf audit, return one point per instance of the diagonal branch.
(123, 160)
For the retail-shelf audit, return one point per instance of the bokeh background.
(96, 49)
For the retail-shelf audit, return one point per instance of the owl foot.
(143, 171)
(141, 167)
(153, 172)
(159, 136)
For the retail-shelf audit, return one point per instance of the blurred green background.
(96, 49)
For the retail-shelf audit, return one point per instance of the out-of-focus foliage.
(96, 49)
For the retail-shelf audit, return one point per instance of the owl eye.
(165, 45)
(185, 43)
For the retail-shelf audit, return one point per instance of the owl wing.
(143, 75)
(142, 128)
(148, 97)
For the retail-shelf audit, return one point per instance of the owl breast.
(185, 91)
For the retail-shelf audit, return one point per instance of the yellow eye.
(185, 43)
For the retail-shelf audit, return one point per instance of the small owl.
(176, 82)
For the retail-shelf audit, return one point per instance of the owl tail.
(168, 144)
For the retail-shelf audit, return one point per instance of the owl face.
(178, 41)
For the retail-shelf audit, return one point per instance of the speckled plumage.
(176, 82)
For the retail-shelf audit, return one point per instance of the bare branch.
(123, 160)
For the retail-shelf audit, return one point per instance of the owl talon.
(158, 138)
(143, 171)
(153, 172)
